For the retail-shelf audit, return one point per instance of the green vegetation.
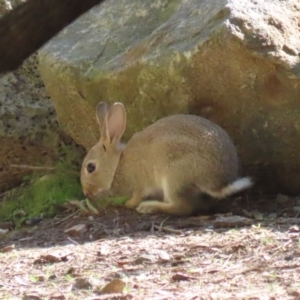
(97, 205)
(117, 201)
(41, 194)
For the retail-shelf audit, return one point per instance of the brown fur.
(175, 154)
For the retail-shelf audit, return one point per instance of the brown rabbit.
(178, 159)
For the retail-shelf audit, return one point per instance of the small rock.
(71, 271)
(6, 225)
(293, 292)
(39, 278)
(159, 255)
(247, 213)
(77, 230)
(55, 256)
(144, 226)
(52, 277)
(288, 221)
(144, 259)
(82, 284)
(57, 297)
(31, 296)
(164, 256)
(294, 228)
(33, 221)
(104, 251)
(181, 277)
(7, 248)
(282, 199)
(296, 208)
(3, 231)
(232, 221)
(258, 215)
(115, 286)
(272, 216)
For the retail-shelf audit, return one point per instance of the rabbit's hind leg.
(173, 204)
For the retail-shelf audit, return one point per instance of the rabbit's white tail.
(232, 188)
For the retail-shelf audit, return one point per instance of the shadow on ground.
(114, 222)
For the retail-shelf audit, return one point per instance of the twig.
(226, 262)
(152, 227)
(166, 229)
(66, 218)
(71, 240)
(38, 168)
(162, 223)
(282, 246)
(33, 167)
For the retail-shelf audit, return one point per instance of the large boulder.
(235, 62)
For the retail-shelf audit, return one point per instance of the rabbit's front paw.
(131, 204)
(149, 207)
(134, 201)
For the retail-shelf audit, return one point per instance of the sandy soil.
(249, 251)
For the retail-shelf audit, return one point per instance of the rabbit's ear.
(101, 112)
(115, 124)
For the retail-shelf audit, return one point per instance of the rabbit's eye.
(91, 167)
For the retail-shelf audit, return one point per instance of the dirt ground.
(251, 250)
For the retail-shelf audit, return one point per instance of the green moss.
(40, 196)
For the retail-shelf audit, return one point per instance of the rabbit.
(173, 162)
